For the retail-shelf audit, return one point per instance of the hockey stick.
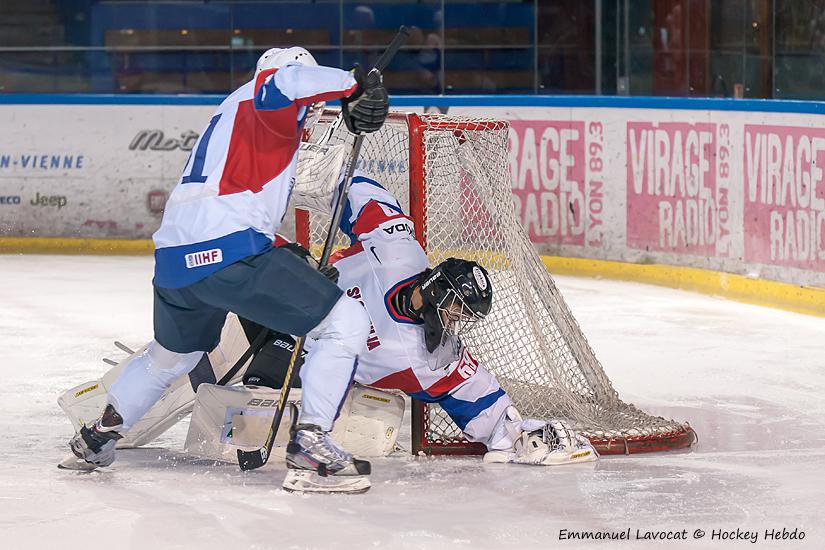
(254, 347)
(250, 460)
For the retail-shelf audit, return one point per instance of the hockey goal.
(451, 174)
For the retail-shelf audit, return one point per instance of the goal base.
(424, 443)
(673, 441)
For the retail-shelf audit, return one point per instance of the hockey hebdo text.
(714, 534)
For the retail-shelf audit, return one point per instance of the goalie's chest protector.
(372, 271)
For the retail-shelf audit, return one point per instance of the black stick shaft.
(254, 346)
(398, 41)
(332, 232)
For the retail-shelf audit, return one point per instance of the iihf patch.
(204, 257)
(481, 280)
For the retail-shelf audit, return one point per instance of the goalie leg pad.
(226, 419)
(86, 402)
(370, 421)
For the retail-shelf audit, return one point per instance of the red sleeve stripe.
(346, 252)
(404, 380)
(446, 384)
(326, 96)
(372, 216)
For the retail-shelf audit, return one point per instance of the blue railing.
(626, 102)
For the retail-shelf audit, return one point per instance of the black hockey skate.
(316, 464)
(94, 445)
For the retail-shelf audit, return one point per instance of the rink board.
(731, 186)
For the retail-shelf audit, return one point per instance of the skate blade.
(76, 464)
(305, 481)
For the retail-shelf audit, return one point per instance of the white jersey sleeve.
(305, 85)
(368, 206)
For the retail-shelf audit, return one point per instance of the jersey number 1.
(196, 173)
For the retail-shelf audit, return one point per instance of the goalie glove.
(542, 443)
(551, 444)
(365, 110)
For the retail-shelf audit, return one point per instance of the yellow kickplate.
(797, 298)
(53, 245)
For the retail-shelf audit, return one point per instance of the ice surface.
(750, 380)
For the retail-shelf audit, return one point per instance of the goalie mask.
(456, 294)
(275, 58)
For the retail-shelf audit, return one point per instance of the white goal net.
(451, 175)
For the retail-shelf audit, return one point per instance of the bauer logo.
(86, 390)
(382, 166)
(375, 398)
(255, 402)
(206, 257)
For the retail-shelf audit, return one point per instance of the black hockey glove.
(365, 110)
(328, 271)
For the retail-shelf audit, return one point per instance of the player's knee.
(169, 365)
(347, 323)
(360, 326)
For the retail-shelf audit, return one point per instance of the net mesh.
(530, 340)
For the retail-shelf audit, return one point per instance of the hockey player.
(214, 254)
(417, 315)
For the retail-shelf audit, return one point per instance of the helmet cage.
(457, 294)
(455, 315)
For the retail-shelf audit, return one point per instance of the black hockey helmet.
(456, 293)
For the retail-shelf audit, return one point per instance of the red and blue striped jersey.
(233, 193)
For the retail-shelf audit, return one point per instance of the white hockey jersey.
(384, 258)
(234, 190)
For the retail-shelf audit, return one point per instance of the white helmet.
(275, 58)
